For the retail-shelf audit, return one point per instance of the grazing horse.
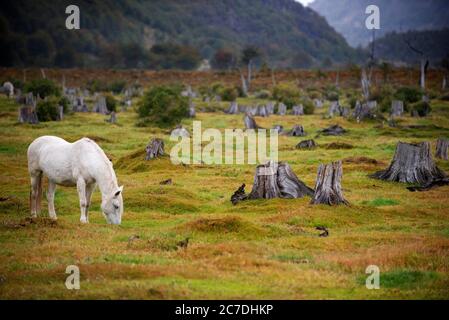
(82, 164)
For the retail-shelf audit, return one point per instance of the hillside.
(124, 33)
(348, 17)
(432, 43)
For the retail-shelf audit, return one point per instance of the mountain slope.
(348, 16)
(112, 32)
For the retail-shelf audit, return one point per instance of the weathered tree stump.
(328, 185)
(318, 103)
(298, 110)
(270, 108)
(180, 131)
(335, 109)
(27, 114)
(154, 149)
(366, 110)
(250, 123)
(345, 112)
(278, 128)
(412, 163)
(297, 131)
(192, 112)
(60, 113)
(100, 106)
(307, 144)
(442, 149)
(334, 130)
(282, 109)
(233, 109)
(112, 118)
(277, 180)
(397, 108)
(262, 111)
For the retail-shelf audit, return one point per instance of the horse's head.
(112, 207)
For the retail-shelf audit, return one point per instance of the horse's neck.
(106, 181)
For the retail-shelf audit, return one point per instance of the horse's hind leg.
(36, 193)
(81, 186)
(51, 199)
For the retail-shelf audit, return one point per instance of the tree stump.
(27, 114)
(270, 108)
(307, 144)
(365, 111)
(100, 106)
(318, 103)
(60, 113)
(234, 108)
(278, 128)
(334, 130)
(334, 109)
(282, 109)
(442, 149)
(412, 163)
(113, 118)
(397, 108)
(277, 180)
(262, 111)
(250, 123)
(345, 112)
(154, 149)
(298, 110)
(328, 185)
(297, 131)
(180, 131)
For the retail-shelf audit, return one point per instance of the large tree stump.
(328, 185)
(60, 113)
(318, 103)
(233, 108)
(335, 109)
(112, 118)
(412, 163)
(262, 111)
(154, 149)
(297, 131)
(366, 110)
(27, 114)
(307, 145)
(298, 110)
(442, 149)
(100, 106)
(397, 108)
(282, 109)
(250, 123)
(334, 130)
(270, 108)
(277, 180)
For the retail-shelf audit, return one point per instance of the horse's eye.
(116, 206)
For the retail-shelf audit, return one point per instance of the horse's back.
(46, 151)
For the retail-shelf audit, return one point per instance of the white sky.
(305, 2)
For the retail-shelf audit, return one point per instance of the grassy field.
(255, 250)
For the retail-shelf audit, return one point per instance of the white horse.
(82, 164)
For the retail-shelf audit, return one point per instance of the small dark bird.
(183, 244)
(325, 232)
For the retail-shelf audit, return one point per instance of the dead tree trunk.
(250, 123)
(297, 131)
(412, 163)
(307, 144)
(328, 185)
(277, 180)
(442, 149)
(154, 149)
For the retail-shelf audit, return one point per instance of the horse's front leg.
(81, 186)
(51, 199)
(89, 190)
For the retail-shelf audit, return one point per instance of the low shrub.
(408, 95)
(162, 106)
(229, 94)
(422, 108)
(43, 88)
(287, 93)
(117, 87)
(309, 106)
(47, 110)
(263, 94)
(111, 103)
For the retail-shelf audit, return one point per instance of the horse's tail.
(39, 194)
(36, 186)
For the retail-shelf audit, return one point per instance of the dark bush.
(65, 103)
(117, 86)
(422, 108)
(309, 106)
(287, 93)
(43, 87)
(111, 103)
(96, 86)
(162, 106)
(47, 110)
(408, 95)
(229, 94)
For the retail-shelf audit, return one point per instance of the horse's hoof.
(84, 221)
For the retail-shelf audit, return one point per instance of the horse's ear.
(120, 189)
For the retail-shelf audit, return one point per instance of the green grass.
(264, 249)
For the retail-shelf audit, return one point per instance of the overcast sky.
(305, 2)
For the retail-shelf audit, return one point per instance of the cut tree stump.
(233, 109)
(270, 108)
(262, 111)
(277, 180)
(282, 109)
(442, 149)
(328, 185)
(113, 118)
(335, 109)
(366, 110)
(100, 106)
(412, 163)
(192, 112)
(307, 144)
(27, 114)
(334, 130)
(250, 123)
(154, 149)
(298, 110)
(397, 108)
(297, 131)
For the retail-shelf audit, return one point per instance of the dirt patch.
(339, 145)
(360, 160)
